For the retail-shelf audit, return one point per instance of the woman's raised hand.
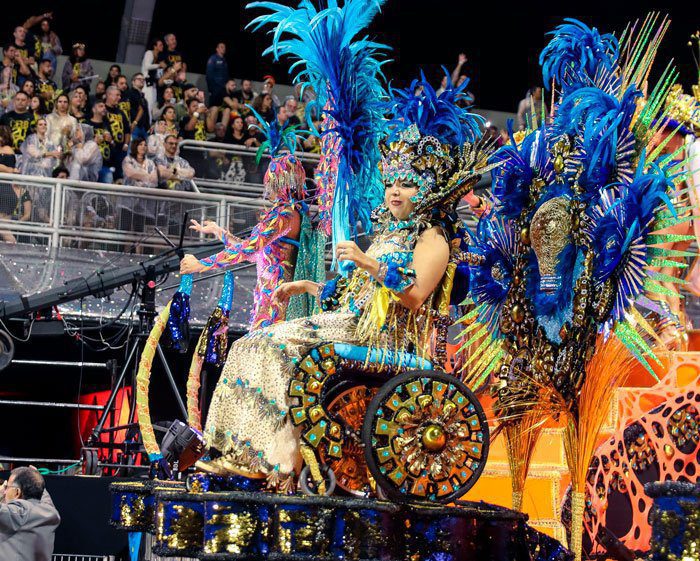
(209, 227)
(190, 264)
(349, 251)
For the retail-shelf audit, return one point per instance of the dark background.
(502, 40)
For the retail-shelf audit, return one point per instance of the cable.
(31, 325)
(46, 471)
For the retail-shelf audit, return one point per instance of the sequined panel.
(179, 525)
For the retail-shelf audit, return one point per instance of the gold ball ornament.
(434, 438)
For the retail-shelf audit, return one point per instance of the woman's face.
(169, 114)
(114, 71)
(35, 104)
(141, 148)
(45, 26)
(397, 198)
(238, 124)
(41, 127)
(158, 47)
(28, 88)
(167, 94)
(267, 102)
(62, 104)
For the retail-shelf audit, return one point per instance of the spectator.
(8, 199)
(456, 73)
(189, 92)
(530, 109)
(231, 101)
(37, 107)
(23, 209)
(198, 122)
(61, 172)
(255, 137)
(245, 96)
(103, 138)
(18, 68)
(291, 106)
(77, 69)
(99, 95)
(171, 56)
(120, 128)
(140, 117)
(39, 154)
(48, 40)
(217, 75)
(138, 171)
(28, 517)
(77, 105)
(61, 124)
(155, 142)
(170, 119)
(152, 71)
(174, 171)
(45, 86)
(20, 120)
(113, 75)
(238, 134)
(28, 88)
(504, 137)
(8, 160)
(167, 100)
(171, 78)
(263, 106)
(86, 158)
(268, 87)
(27, 47)
(124, 100)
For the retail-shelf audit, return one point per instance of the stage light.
(182, 446)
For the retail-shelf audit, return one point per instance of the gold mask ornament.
(549, 233)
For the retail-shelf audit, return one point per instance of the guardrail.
(231, 169)
(64, 212)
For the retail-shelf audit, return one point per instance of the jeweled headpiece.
(682, 111)
(433, 142)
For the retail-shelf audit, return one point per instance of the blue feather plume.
(435, 115)
(277, 136)
(577, 54)
(346, 74)
(511, 180)
(600, 123)
(624, 218)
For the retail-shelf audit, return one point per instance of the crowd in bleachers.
(127, 129)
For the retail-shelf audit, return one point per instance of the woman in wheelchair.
(387, 302)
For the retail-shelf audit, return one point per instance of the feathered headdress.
(345, 72)
(432, 141)
(285, 178)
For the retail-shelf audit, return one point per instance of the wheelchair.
(387, 424)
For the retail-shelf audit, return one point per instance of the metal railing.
(232, 169)
(69, 213)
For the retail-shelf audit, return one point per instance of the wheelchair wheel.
(426, 437)
(349, 408)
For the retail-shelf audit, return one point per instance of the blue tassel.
(178, 325)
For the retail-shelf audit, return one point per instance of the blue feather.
(346, 74)
(576, 55)
(277, 136)
(511, 180)
(437, 116)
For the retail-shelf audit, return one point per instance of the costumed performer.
(282, 244)
(428, 165)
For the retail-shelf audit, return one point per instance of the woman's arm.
(430, 258)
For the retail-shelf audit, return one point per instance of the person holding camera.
(28, 517)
